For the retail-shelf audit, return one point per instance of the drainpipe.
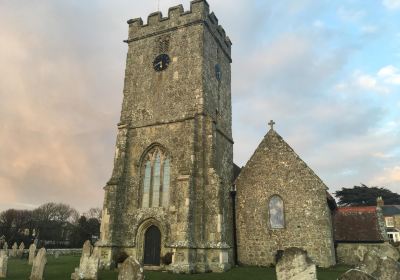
(233, 196)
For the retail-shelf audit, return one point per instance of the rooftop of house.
(390, 210)
(357, 224)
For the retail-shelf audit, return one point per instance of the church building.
(170, 201)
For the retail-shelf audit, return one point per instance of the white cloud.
(392, 4)
(390, 75)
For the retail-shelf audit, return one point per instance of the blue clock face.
(161, 62)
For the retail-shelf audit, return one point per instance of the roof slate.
(357, 224)
(390, 210)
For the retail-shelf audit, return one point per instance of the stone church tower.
(169, 190)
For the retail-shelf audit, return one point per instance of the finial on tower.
(271, 124)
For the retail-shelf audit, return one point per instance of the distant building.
(356, 230)
(391, 214)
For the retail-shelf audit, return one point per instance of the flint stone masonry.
(39, 264)
(131, 270)
(353, 253)
(88, 265)
(355, 274)
(185, 111)
(276, 170)
(32, 252)
(3, 264)
(295, 265)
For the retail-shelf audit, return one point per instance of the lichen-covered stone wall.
(275, 169)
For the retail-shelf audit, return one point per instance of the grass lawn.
(58, 269)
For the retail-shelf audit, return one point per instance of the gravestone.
(21, 249)
(14, 250)
(295, 265)
(32, 251)
(131, 270)
(5, 248)
(39, 264)
(57, 255)
(88, 265)
(355, 274)
(382, 268)
(3, 264)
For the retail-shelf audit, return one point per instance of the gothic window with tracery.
(156, 179)
(276, 212)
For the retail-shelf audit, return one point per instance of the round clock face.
(161, 62)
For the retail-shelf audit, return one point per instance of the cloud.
(382, 82)
(391, 4)
(390, 75)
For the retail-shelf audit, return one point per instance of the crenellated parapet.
(199, 13)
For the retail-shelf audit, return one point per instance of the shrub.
(167, 258)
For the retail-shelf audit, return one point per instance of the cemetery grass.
(61, 268)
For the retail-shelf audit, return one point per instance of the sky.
(327, 72)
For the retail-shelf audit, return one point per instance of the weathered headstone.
(39, 263)
(355, 274)
(3, 264)
(57, 254)
(32, 251)
(295, 265)
(14, 250)
(88, 265)
(131, 270)
(5, 248)
(382, 268)
(21, 249)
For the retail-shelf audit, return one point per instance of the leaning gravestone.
(14, 250)
(295, 265)
(88, 265)
(39, 263)
(32, 251)
(355, 274)
(21, 249)
(131, 270)
(3, 264)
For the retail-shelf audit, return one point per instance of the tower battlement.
(199, 13)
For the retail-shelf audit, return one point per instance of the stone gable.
(276, 170)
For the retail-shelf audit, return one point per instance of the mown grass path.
(61, 268)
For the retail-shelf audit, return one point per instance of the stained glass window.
(276, 212)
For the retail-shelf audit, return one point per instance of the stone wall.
(275, 169)
(185, 111)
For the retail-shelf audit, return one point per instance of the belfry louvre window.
(276, 212)
(156, 179)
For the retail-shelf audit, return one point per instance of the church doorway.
(152, 246)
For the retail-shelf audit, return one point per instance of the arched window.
(156, 179)
(276, 212)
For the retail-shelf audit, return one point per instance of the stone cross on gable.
(271, 124)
